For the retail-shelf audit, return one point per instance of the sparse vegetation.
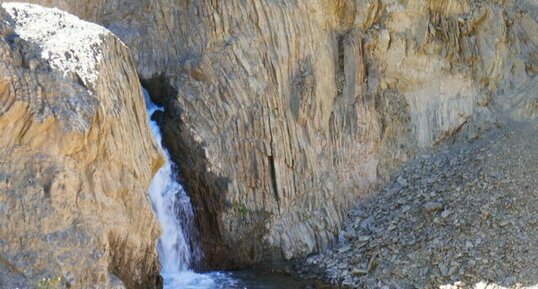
(48, 283)
(241, 209)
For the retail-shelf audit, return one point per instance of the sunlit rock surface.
(281, 114)
(76, 155)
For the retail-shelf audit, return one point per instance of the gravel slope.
(465, 216)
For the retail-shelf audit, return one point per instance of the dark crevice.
(158, 89)
(206, 189)
(273, 178)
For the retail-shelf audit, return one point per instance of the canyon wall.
(77, 155)
(281, 114)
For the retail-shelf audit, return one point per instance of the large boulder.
(76, 157)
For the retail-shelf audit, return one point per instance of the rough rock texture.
(281, 114)
(10, 277)
(459, 217)
(77, 155)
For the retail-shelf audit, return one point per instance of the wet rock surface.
(462, 216)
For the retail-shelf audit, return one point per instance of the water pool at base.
(247, 279)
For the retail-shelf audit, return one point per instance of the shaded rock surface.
(77, 156)
(461, 217)
(10, 277)
(281, 114)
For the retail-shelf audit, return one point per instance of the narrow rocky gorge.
(281, 116)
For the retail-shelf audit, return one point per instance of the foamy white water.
(173, 208)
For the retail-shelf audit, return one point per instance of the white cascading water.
(170, 201)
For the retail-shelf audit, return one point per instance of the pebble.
(433, 206)
(344, 249)
(359, 272)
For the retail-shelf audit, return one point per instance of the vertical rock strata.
(281, 114)
(77, 154)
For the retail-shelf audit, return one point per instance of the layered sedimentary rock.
(281, 114)
(76, 155)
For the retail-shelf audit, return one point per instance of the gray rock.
(433, 206)
(359, 272)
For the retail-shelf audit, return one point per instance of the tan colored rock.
(301, 113)
(281, 114)
(77, 154)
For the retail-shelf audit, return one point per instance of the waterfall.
(176, 247)
(174, 211)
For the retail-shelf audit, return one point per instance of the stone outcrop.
(77, 155)
(280, 114)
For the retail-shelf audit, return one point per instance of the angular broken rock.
(372, 264)
(433, 206)
(359, 272)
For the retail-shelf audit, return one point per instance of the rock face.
(280, 114)
(77, 155)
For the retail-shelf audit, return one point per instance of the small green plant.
(48, 283)
(241, 209)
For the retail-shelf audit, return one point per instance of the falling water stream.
(176, 250)
(173, 208)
